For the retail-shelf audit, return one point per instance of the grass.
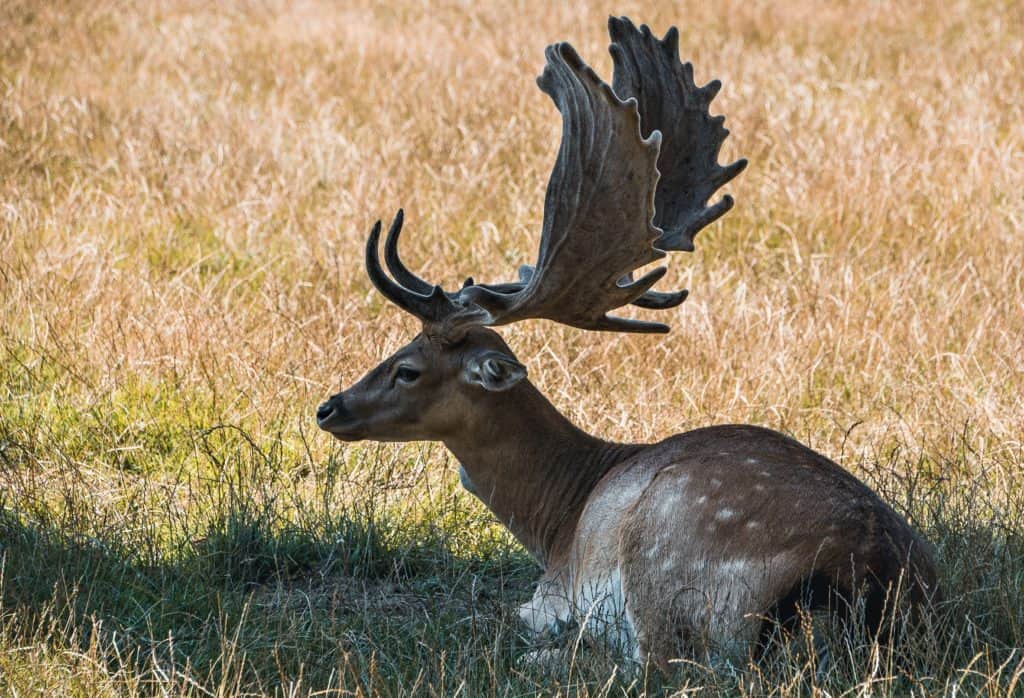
(185, 190)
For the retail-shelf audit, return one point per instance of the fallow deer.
(695, 544)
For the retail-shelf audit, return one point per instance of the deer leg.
(549, 611)
(603, 615)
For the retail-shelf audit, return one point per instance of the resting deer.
(695, 544)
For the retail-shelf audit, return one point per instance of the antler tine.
(638, 289)
(669, 101)
(395, 266)
(657, 300)
(652, 300)
(431, 307)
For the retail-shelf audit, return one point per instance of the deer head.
(599, 228)
(425, 391)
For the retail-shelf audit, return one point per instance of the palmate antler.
(649, 71)
(606, 214)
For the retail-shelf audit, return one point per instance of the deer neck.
(533, 467)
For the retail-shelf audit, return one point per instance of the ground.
(185, 191)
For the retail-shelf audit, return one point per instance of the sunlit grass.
(185, 191)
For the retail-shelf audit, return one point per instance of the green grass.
(231, 562)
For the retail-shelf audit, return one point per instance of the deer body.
(707, 536)
(686, 545)
(693, 545)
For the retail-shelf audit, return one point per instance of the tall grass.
(185, 189)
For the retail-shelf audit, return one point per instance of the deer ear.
(493, 370)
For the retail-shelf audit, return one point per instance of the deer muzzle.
(332, 416)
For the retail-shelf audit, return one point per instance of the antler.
(428, 302)
(599, 209)
(669, 101)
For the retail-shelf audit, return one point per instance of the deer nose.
(324, 411)
(332, 412)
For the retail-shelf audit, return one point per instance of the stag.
(698, 544)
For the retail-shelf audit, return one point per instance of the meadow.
(185, 192)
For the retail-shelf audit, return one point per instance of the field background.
(185, 191)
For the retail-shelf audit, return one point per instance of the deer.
(696, 545)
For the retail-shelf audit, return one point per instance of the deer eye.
(406, 374)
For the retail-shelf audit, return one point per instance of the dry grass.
(185, 189)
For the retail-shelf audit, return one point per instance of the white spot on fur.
(764, 473)
(735, 567)
(670, 501)
(751, 461)
(725, 514)
(759, 488)
(753, 524)
(701, 499)
(715, 482)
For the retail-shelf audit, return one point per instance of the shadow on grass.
(254, 609)
(256, 583)
(257, 608)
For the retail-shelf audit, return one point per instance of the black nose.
(324, 411)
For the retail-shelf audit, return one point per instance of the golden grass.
(185, 191)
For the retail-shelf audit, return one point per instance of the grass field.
(185, 190)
